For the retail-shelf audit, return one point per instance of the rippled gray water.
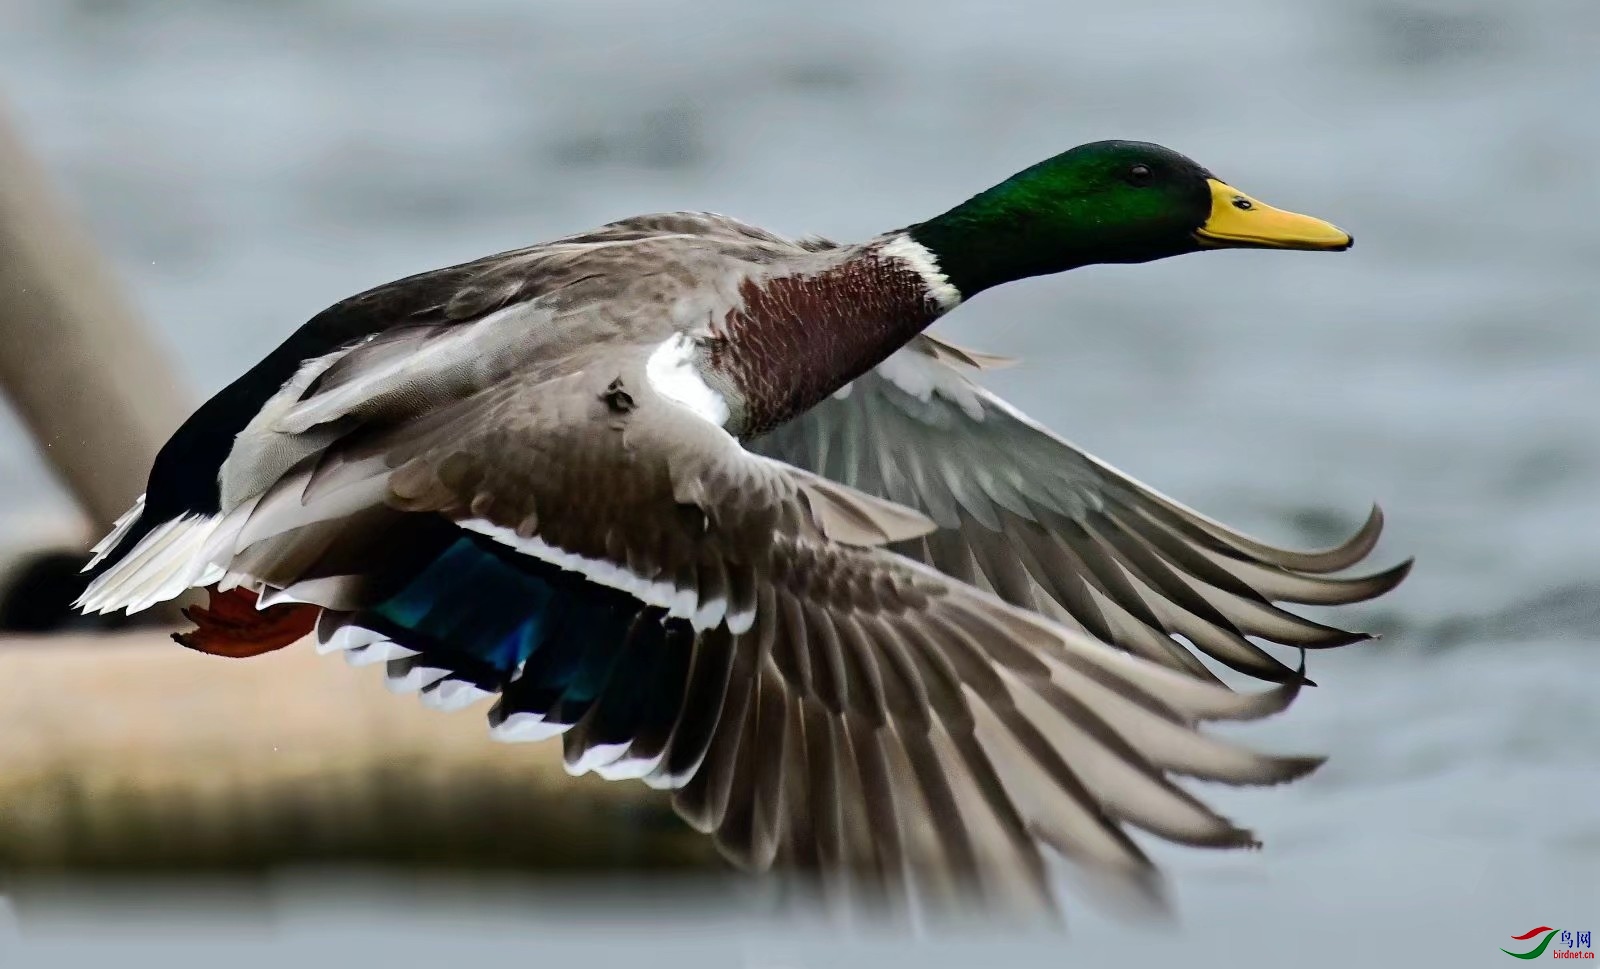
(248, 163)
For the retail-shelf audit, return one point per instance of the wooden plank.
(86, 377)
(128, 752)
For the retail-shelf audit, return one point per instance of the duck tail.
(146, 559)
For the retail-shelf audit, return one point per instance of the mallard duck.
(708, 504)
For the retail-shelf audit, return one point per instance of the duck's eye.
(1139, 175)
(1240, 202)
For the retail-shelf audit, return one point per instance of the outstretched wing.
(806, 693)
(436, 335)
(1051, 529)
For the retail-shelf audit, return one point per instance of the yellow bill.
(1237, 220)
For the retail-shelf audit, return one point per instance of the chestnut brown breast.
(797, 339)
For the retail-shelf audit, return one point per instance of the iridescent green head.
(1106, 202)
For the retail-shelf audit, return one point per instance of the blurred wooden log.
(130, 753)
(82, 371)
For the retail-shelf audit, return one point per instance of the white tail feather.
(113, 538)
(162, 565)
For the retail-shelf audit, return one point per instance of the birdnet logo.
(1573, 944)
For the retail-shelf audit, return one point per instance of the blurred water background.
(247, 163)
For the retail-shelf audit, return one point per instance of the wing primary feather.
(1147, 636)
(1056, 571)
(823, 795)
(1060, 811)
(772, 759)
(791, 649)
(738, 832)
(1341, 556)
(703, 702)
(1281, 585)
(866, 688)
(999, 562)
(857, 836)
(1269, 622)
(1132, 788)
(904, 690)
(703, 801)
(1104, 572)
(992, 790)
(882, 808)
(943, 811)
(801, 850)
(1155, 550)
(1227, 646)
(828, 666)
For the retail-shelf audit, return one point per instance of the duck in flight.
(708, 504)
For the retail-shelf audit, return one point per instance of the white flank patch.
(683, 603)
(671, 370)
(921, 260)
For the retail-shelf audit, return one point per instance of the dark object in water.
(36, 597)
